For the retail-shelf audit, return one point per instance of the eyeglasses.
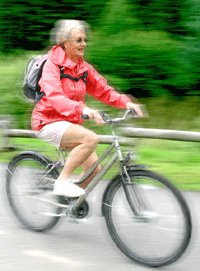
(80, 40)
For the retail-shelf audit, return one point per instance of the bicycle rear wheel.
(151, 222)
(28, 183)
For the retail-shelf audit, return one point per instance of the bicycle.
(147, 217)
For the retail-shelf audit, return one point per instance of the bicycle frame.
(117, 156)
(99, 175)
(138, 204)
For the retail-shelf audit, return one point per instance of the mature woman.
(57, 116)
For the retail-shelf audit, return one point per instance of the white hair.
(62, 30)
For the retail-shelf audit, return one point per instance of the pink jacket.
(64, 99)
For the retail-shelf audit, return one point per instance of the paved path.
(77, 246)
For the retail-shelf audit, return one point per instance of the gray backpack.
(33, 73)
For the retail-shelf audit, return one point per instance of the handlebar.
(109, 120)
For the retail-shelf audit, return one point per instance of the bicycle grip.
(85, 117)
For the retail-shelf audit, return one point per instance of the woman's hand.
(93, 114)
(137, 108)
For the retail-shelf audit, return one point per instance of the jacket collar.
(59, 57)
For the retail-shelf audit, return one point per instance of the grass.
(179, 161)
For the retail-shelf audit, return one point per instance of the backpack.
(33, 73)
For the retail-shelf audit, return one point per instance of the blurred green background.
(147, 48)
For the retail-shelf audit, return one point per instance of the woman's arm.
(97, 87)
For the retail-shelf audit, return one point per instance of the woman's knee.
(91, 139)
(77, 135)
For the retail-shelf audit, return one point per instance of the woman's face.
(75, 45)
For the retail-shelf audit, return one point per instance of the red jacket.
(64, 99)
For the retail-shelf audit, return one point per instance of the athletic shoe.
(68, 188)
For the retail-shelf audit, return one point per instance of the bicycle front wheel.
(148, 218)
(28, 183)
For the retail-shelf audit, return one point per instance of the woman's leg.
(83, 143)
(86, 165)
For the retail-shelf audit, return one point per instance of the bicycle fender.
(31, 153)
(136, 167)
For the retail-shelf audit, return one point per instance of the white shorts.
(53, 132)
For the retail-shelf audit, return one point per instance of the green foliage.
(12, 102)
(26, 24)
(145, 48)
(168, 16)
(149, 48)
(117, 18)
(172, 113)
(178, 161)
(144, 63)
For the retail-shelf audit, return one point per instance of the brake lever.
(106, 118)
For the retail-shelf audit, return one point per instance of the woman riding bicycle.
(58, 115)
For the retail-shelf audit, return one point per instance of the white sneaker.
(68, 188)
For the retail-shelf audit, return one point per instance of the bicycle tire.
(140, 235)
(25, 191)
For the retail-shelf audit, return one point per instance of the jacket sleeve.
(97, 87)
(51, 84)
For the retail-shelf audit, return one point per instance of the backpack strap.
(40, 94)
(64, 75)
(37, 89)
